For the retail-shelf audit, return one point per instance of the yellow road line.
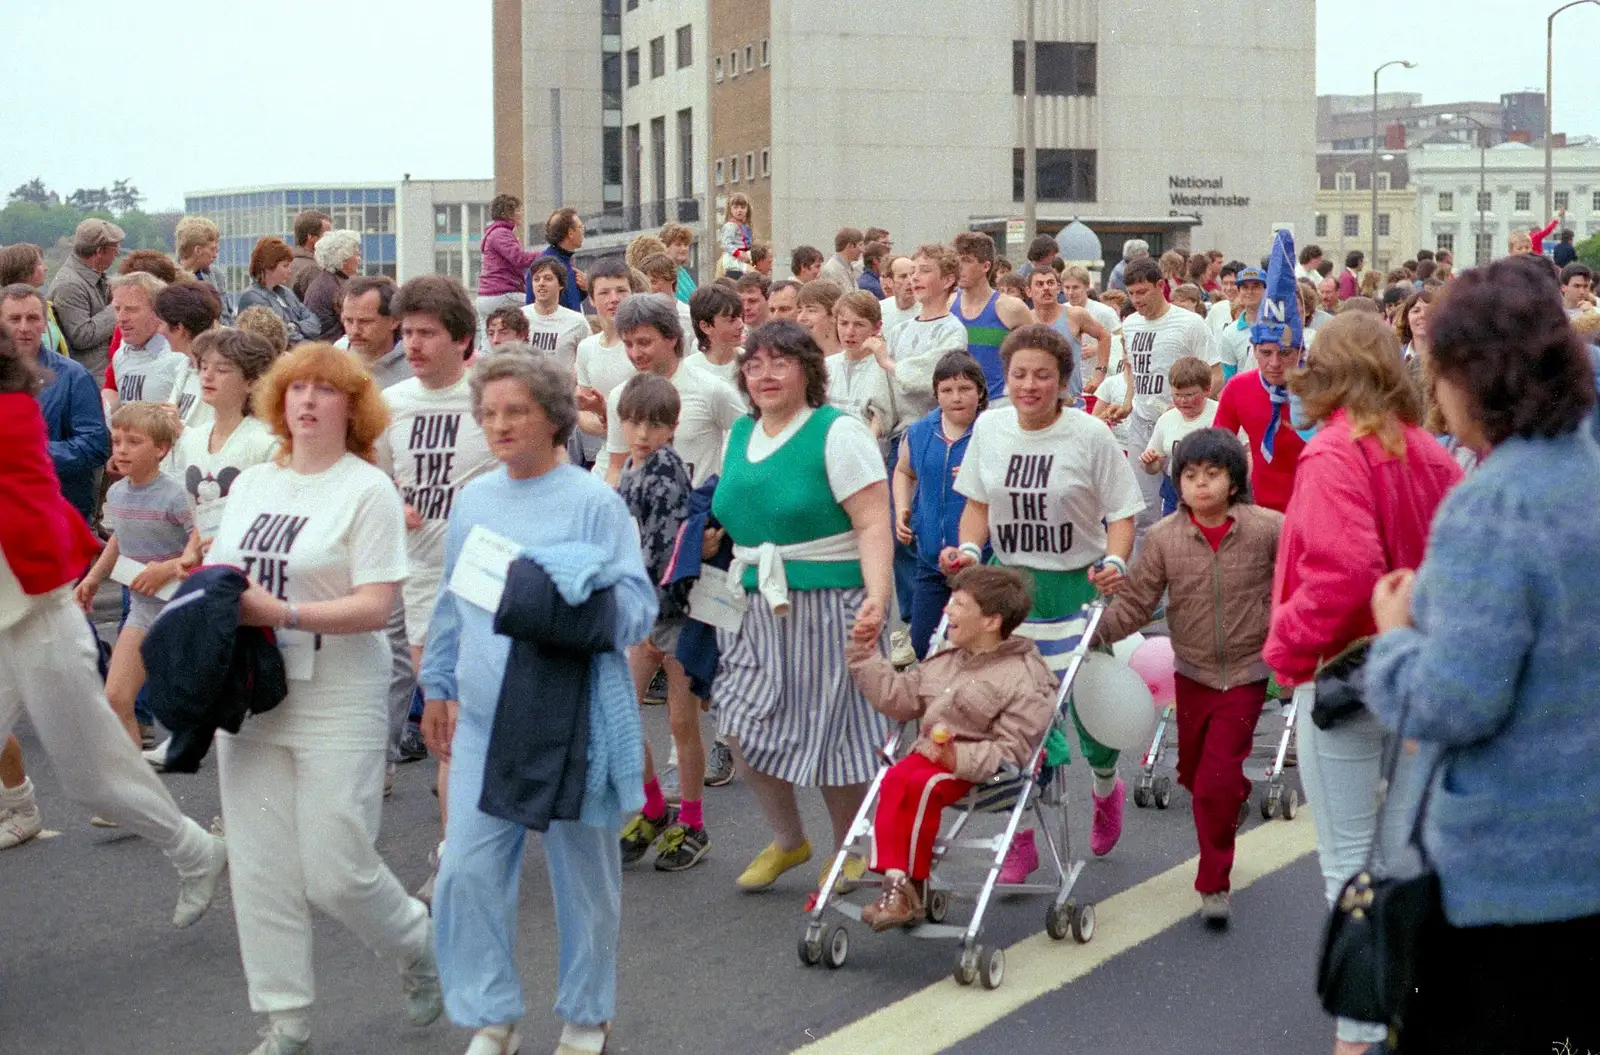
(935, 1018)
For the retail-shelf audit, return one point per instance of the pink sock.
(689, 813)
(655, 803)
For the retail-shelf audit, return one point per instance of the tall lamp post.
(1549, 87)
(1372, 173)
(1483, 146)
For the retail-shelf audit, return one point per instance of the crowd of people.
(486, 527)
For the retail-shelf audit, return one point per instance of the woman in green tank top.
(804, 496)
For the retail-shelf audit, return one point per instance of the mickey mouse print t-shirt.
(209, 477)
(316, 537)
(1049, 491)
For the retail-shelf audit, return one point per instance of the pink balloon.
(1153, 662)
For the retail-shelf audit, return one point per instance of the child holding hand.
(1213, 559)
(986, 700)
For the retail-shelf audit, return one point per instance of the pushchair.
(1012, 794)
(1280, 798)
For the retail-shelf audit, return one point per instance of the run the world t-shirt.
(1050, 491)
(1153, 346)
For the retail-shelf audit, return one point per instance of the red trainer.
(1022, 858)
(1107, 820)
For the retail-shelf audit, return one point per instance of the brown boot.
(898, 905)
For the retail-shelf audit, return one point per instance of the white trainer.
(275, 1043)
(157, 755)
(496, 1040)
(20, 824)
(196, 892)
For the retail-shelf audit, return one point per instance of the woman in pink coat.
(1365, 492)
(505, 261)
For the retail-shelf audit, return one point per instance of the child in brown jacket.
(986, 700)
(1214, 559)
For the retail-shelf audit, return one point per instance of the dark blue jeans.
(929, 594)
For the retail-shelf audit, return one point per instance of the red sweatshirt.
(44, 540)
(1333, 550)
(1538, 237)
(1244, 404)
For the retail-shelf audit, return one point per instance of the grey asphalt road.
(89, 962)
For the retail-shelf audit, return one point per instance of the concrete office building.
(1447, 181)
(409, 228)
(1178, 128)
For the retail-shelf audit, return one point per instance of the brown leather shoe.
(898, 905)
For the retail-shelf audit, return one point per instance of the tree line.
(36, 213)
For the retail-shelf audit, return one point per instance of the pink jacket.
(1357, 513)
(504, 260)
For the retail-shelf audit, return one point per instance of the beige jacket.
(997, 705)
(1218, 604)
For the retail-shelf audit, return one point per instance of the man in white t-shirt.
(918, 343)
(662, 274)
(753, 288)
(1155, 337)
(1235, 354)
(901, 302)
(145, 367)
(553, 330)
(371, 328)
(718, 319)
(603, 364)
(1220, 315)
(709, 406)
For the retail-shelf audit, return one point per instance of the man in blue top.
(564, 232)
(80, 443)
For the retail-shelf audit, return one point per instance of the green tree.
(1589, 251)
(34, 192)
(90, 199)
(124, 196)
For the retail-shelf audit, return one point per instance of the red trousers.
(1216, 730)
(911, 799)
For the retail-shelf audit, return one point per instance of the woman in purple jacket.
(505, 262)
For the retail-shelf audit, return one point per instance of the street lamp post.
(1549, 87)
(1030, 146)
(1372, 174)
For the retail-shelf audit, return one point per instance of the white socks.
(21, 795)
(584, 1038)
(1104, 783)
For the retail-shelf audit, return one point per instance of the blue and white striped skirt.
(786, 695)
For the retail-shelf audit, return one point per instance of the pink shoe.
(1022, 858)
(1107, 820)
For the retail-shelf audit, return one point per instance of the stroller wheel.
(938, 905)
(1163, 792)
(810, 950)
(967, 966)
(1141, 796)
(1269, 803)
(1058, 920)
(991, 967)
(1289, 803)
(837, 948)
(1083, 924)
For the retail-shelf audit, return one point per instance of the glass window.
(658, 57)
(1060, 68)
(1561, 201)
(1447, 201)
(750, 165)
(1385, 182)
(611, 156)
(1485, 201)
(340, 197)
(476, 214)
(633, 66)
(718, 67)
(685, 47)
(1483, 247)
(766, 162)
(1594, 202)
(1322, 225)
(749, 57)
(388, 196)
(1063, 175)
(388, 269)
(686, 153)
(474, 268)
(611, 81)
(447, 262)
(1352, 225)
(1446, 243)
(733, 64)
(446, 220)
(1344, 181)
(1524, 200)
(733, 169)
(766, 54)
(719, 176)
(1383, 225)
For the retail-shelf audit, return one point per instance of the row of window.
(1352, 225)
(728, 171)
(1522, 201)
(1060, 67)
(684, 41)
(254, 219)
(447, 220)
(749, 52)
(1346, 181)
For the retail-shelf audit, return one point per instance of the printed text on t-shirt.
(266, 547)
(1027, 485)
(432, 446)
(1140, 346)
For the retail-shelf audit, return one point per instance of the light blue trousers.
(475, 905)
(1340, 769)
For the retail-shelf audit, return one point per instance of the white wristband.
(971, 549)
(1113, 561)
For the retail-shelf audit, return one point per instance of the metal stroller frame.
(1152, 790)
(1016, 793)
(1280, 798)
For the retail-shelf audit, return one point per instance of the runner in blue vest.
(998, 315)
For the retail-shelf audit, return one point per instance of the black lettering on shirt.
(1027, 484)
(131, 388)
(267, 543)
(432, 447)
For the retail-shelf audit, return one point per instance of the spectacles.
(776, 366)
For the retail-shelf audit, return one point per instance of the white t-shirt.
(861, 389)
(1113, 390)
(849, 454)
(894, 314)
(1153, 347)
(1220, 315)
(1171, 427)
(1106, 316)
(557, 334)
(432, 448)
(917, 346)
(1048, 491)
(316, 538)
(148, 374)
(686, 320)
(209, 478)
(708, 408)
(728, 371)
(1234, 348)
(602, 366)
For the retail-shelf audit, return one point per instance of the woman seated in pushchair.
(986, 700)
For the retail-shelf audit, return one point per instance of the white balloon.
(1125, 648)
(1114, 703)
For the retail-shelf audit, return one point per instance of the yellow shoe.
(772, 863)
(854, 869)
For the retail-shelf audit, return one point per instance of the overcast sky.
(183, 95)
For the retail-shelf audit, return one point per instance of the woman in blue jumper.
(534, 501)
(927, 507)
(1487, 656)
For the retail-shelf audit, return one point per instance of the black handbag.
(1377, 925)
(1341, 686)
